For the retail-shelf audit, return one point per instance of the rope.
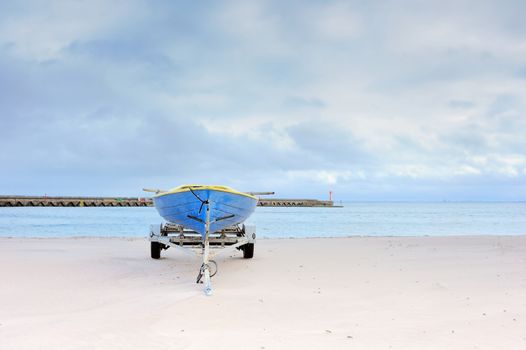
(202, 270)
(199, 198)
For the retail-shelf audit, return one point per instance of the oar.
(154, 190)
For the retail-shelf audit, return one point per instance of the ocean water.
(354, 219)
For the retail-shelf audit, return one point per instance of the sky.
(373, 100)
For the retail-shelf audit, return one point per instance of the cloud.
(322, 176)
(40, 30)
(376, 101)
(302, 102)
(461, 104)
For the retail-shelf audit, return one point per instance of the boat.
(212, 213)
(188, 206)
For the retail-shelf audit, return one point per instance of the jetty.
(49, 201)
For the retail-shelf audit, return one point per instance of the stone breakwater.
(46, 201)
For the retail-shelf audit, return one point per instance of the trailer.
(168, 235)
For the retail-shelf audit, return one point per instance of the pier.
(294, 203)
(47, 201)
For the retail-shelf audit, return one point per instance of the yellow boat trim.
(186, 188)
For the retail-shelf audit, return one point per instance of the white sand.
(351, 293)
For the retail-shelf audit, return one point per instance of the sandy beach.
(338, 293)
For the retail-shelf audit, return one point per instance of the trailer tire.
(248, 251)
(155, 250)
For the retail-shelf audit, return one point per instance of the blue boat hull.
(187, 208)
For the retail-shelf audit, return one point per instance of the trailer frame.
(239, 237)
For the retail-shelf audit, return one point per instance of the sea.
(353, 219)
